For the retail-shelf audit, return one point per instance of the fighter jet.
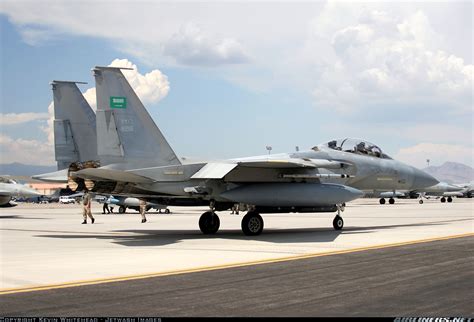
(141, 163)
(467, 189)
(443, 189)
(9, 188)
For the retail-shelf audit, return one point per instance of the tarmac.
(394, 260)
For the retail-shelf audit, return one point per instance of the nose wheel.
(338, 222)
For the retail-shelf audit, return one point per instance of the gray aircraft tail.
(75, 138)
(127, 136)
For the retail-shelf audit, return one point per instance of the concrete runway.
(44, 245)
(425, 279)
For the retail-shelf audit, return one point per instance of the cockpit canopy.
(356, 146)
(6, 180)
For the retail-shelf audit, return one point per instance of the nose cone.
(452, 188)
(422, 179)
(352, 193)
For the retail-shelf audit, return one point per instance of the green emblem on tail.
(118, 102)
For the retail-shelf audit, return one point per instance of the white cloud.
(191, 46)
(436, 153)
(152, 31)
(383, 58)
(19, 118)
(21, 150)
(150, 87)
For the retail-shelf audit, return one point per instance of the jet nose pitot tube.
(422, 179)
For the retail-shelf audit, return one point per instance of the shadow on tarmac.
(158, 237)
(19, 217)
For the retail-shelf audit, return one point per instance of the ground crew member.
(105, 207)
(143, 210)
(86, 204)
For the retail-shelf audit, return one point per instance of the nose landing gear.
(338, 222)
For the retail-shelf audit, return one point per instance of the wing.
(221, 169)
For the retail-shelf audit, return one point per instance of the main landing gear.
(443, 199)
(390, 201)
(338, 223)
(252, 224)
(209, 222)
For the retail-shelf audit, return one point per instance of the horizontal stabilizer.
(56, 176)
(97, 174)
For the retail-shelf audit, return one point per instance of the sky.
(226, 79)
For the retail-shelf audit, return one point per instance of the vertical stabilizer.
(75, 136)
(127, 136)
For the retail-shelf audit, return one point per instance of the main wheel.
(167, 211)
(450, 199)
(338, 223)
(252, 224)
(391, 201)
(420, 202)
(209, 223)
(382, 201)
(443, 199)
(122, 209)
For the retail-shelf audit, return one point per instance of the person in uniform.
(105, 207)
(86, 204)
(143, 210)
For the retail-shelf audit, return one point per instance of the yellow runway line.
(219, 267)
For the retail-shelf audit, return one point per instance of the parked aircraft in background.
(467, 189)
(444, 190)
(9, 189)
(140, 163)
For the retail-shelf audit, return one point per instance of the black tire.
(443, 199)
(252, 224)
(122, 209)
(338, 223)
(209, 223)
(450, 199)
(420, 202)
(167, 211)
(382, 201)
(391, 201)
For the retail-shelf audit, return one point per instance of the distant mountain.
(19, 169)
(452, 172)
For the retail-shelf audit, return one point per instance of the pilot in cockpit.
(361, 148)
(332, 144)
